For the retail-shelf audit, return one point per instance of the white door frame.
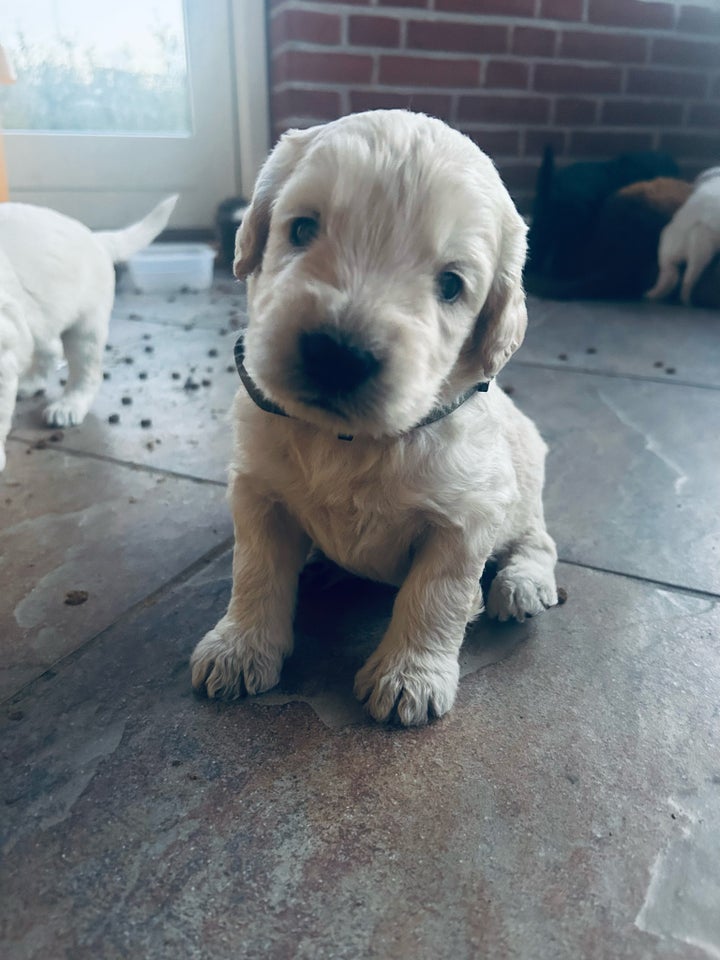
(108, 180)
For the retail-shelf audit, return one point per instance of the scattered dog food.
(670, 370)
(230, 369)
(175, 375)
(128, 360)
(126, 401)
(106, 375)
(40, 445)
(147, 422)
(562, 596)
(108, 346)
(63, 383)
(562, 356)
(142, 375)
(149, 348)
(134, 316)
(659, 363)
(114, 418)
(223, 332)
(57, 436)
(190, 384)
(508, 390)
(212, 352)
(206, 383)
(147, 336)
(73, 598)
(591, 350)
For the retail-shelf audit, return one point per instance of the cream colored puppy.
(57, 286)
(384, 259)
(691, 239)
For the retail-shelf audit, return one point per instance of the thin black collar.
(260, 400)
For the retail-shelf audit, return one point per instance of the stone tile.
(223, 305)
(628, 338)
(544, 817)
(189, 432)
(632, 478)
(72, 523)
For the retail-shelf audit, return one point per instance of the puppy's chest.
(364, 517)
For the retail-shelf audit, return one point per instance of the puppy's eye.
(303, 231)
(449, 285)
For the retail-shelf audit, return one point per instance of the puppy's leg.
(8, 392)
(667, 281)
(44, 361)
(525, 582)
(244, 653)
(83, 344)
(702, 247)
(415, 669)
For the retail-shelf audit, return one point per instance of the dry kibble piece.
(147, 422)
(114, 418)
(562, 595)
(212, 352)
(73, 598)
(670, 370)
(591, 350)
(562, 356)
(175, 375)
(57, 436)
(142, 376)
(659, 363)
(106, 375)
(126, 401)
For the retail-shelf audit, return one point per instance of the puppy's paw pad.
(410, 692)
(515, 595)
(64, 414)
(225, 666)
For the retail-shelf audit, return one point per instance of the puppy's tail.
(121, 244)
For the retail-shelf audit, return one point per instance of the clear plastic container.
(170, 267)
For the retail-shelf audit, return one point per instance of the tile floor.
(569, 806)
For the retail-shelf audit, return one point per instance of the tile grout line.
(638, 578)
(567, 368)
(213, 554)
(130, 464)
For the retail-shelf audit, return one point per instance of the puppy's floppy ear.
(500, 326)
(252, 235)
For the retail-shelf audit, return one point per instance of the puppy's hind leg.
(244, 653)
(44, 361)
(84, 344)
(8, 392)
(702, 247)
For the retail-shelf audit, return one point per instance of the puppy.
(692, 239)
(57, 286)
(384, 260)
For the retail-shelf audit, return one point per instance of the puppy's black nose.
(333, 364)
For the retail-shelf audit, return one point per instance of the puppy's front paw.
(227, 664)
(415, 687)
(517, 593)
(65, 413)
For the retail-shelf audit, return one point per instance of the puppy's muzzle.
(334, 366)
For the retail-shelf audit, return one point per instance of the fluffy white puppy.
(384, 259)
(57, 286)
(691, 239)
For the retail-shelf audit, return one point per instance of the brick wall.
(592, 77)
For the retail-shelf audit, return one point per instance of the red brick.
(537, 140)
(562, 9)
(513, 74)
(685, 53)
(692, 145)
(299, 65)
(698, 20)
(459, 37)
(569, 78)
(428, 72)
(575, 111)
(299, 102)
(669, 83)
(512, 110)
(374, 31)
(305, 25)
(631, 13)
(533, 42)
(594, 143)
(654, 113)
(497, 143)
(502, 8)
(593, 45)
(435, 104)
(704, 115)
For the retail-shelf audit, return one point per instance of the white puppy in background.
(384, 258)
(691, 239)
(57, 286)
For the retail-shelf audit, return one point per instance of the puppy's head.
(384, 260)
